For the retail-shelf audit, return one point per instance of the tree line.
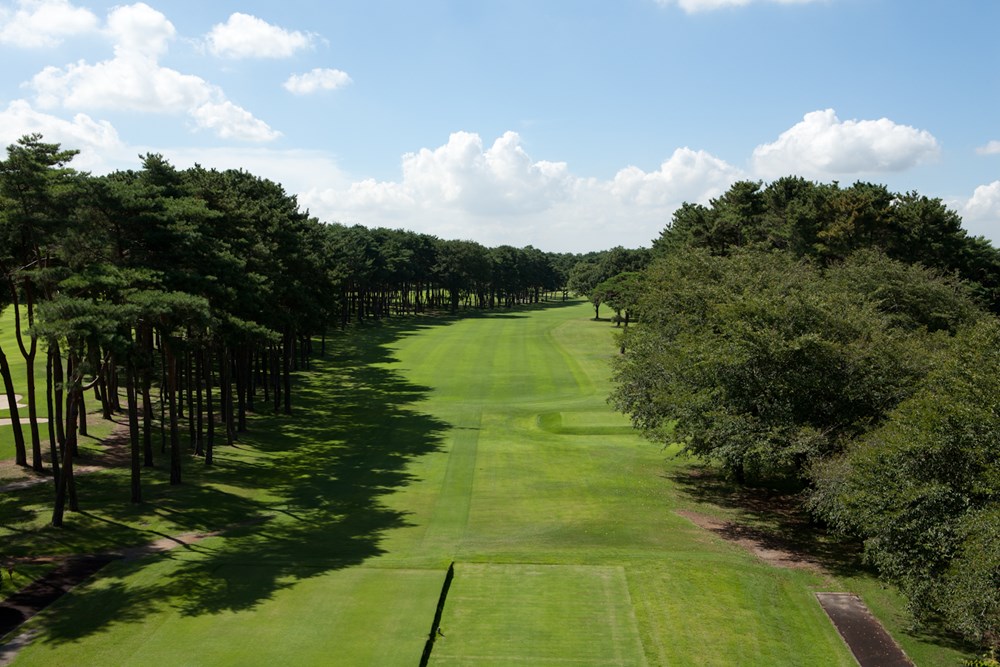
(843, 340)
(185, 299)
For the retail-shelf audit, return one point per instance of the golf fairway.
(483, 441)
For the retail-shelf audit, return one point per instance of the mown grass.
(98, 429)
(486, 441)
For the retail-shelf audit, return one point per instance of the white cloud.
(694, 6)
(125, 83)
(822, 146)
(245, 36)
(500, 180)
(688, 174)
(139, 30)
(232, 122)
(133, 80)
(991, 148)
(316, 80)
(95, 139)
(44, 23)
(984, 206)
(296, 170)
(500, 194)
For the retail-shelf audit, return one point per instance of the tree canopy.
(198, 290)
(844, 339)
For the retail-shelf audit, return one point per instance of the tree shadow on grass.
(772, 518)
(775, 519)
(302, 495)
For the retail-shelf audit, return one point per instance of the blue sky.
(570, 125)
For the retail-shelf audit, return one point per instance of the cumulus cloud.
(500, 180)
(44, 23)
(822, 146)
(498, 193)
(246, 36)
(316, 80)
(991, 148)
(133, 80)
(139, 30)
(984, 205)
(297, 170)
(232, 122)
(95, 139)
(694, 6)
(688, 174)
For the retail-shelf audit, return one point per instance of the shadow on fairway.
(309, 501)
(773, 518)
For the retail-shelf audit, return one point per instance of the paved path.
(869, 642)
(5, 405)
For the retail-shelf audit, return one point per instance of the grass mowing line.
(342, 574)
(582, 379)
(538, 614)
(451, 511)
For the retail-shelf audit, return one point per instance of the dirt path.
(114, 455)
(765, 546)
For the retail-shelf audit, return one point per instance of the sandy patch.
(765, 546)
(5, 404)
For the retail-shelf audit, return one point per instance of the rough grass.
(485, 441)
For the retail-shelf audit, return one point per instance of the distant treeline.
(185, 298)
(843, 340)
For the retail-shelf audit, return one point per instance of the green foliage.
(621, 292)
(828, 223)
(769, 363)
(418, 440)
(592, 270)
(923, 489)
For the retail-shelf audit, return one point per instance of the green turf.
(98, 429)
(486, 441)
(8, 342)
(539, 615)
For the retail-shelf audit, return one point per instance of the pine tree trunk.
(241, 388)
(51, 360)
(175, 445)
(209, 409)
(66, 484)
(145, 339)
(82, 412)
(163, 399)
(190, 381)
(226, 364)
(287, 371)
(263, 360)
(199, 373)
(28, 353)
(71, 416)
(133, 429)
(276, 378)
(36, 440)
(57, 395)
(20, 453)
